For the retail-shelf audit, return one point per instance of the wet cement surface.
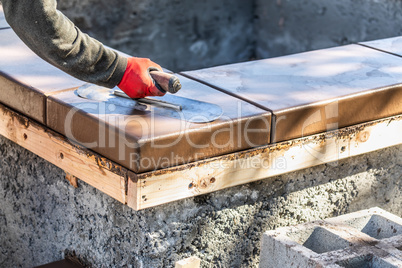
(3, 22)
(148, 140)
(314, 91)
(391, 45)
(26, 79)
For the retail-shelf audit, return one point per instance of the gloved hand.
(137, 81)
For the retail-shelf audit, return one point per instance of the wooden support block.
(82, 163)
(192, 262)
(159, 187)
(72, 179)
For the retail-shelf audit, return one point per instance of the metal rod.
(153, 102)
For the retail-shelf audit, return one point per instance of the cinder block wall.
(185, 34)
(42, 217)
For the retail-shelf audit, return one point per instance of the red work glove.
(137, 81)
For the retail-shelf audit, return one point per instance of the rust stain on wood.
(22, 120)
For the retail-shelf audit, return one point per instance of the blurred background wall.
(178, 34)
(185, 34)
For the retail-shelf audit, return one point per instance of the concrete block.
(368, 238)
(375, 223)
(369, 261)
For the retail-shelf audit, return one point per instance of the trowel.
(190, 110)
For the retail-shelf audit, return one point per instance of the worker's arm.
(54, 38)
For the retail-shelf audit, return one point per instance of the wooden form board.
(140, 191)
(77, 161)
(159, 187)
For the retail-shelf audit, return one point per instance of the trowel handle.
(167, 82)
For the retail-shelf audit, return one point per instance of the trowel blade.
(192, 110)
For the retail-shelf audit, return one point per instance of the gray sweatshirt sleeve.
(54, 38)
